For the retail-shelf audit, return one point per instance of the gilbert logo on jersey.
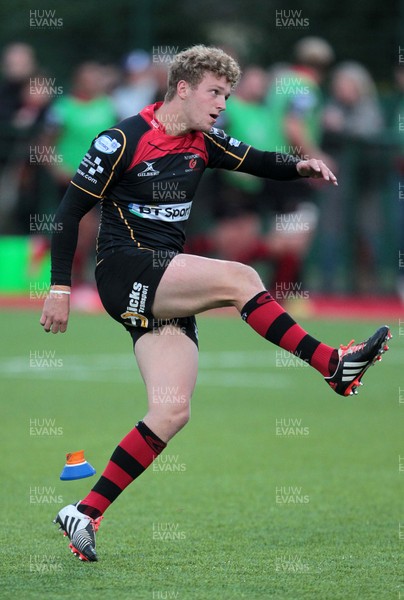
(162, 212)
(149, 171)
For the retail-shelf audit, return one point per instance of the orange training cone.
(76, 467)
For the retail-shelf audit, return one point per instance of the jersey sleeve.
(75, 204)
(103, 164)
(225, 152)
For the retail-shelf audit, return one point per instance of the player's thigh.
(168, 362)
(192, 284)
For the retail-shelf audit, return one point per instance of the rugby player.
(145, 172)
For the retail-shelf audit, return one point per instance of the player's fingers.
(327, 174)
(315, 166)
(47, 324)
(333, 179)
(56, 325)
(59, 325)
(312, 167)
(324, 171)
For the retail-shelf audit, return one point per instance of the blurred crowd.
(312, 106)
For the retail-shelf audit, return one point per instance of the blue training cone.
(76, 467)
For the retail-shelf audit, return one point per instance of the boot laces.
(97, 522)
(349, 348)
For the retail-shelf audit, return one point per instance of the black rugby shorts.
(127, 281)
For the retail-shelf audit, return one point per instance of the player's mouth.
(213, 117)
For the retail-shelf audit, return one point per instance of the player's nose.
(221, 105)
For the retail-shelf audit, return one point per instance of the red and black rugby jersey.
(146, 180)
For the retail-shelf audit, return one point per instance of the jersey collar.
(148, 114)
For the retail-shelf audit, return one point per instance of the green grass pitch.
(277, 488)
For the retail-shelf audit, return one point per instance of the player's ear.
(183, 89)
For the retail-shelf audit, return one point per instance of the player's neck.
(170, 116)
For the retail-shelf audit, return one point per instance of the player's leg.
(192, 284)
(168, 361)
(167, 357)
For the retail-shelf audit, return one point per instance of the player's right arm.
(75, 204)
(100, 168)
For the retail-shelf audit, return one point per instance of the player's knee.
(178, 412)
(245, 281)
(182, 418)
(244, 274)
(177, 418)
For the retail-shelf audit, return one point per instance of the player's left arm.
(276, 165)
(227, 153)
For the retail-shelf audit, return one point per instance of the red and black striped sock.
(269, 319)
(134, 454)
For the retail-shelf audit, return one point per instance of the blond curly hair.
(191, 65)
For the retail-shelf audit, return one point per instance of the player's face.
(204, 103)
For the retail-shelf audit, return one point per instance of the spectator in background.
(73, 119)
(22, 107)
(140, 85)
(295, 98)
(394, 115)
(236, 210)
(353, 109)
(76, 117)
(28, 158)
(112, 76)
(18, 64)
(35, 97)
(295, 103)
(352, 121)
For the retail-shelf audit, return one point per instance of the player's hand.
(55, 313)
(316, 169)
